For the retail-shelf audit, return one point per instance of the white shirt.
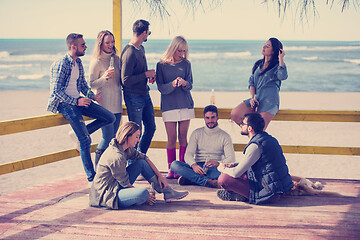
(252, 155)
(71, 89)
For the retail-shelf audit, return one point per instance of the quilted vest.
(270, 174)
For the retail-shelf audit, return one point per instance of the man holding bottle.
(134, 78)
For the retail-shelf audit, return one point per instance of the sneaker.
(75, 140)
(230, 196)
(171, 195)
(184, 181)
(212, 183)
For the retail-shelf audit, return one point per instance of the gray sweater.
(174, 97)
(133, 67)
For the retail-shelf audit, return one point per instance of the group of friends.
(208, 159)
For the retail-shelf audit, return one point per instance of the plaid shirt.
(59, 80)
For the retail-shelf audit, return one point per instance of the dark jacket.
(270, 174)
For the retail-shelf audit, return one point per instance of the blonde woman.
(174, 81)
(105, 78)
(118, 169)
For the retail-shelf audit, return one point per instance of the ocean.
(222, 65)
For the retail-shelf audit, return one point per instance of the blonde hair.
(178, 41)
(125, 131)
(99, 42)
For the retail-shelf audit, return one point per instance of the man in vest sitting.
(262, 176)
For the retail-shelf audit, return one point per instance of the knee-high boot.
(171, 156)
(182, 153)
(169, 193)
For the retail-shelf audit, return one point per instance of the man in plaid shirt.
(67, 81)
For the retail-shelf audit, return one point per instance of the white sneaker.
(75, 140)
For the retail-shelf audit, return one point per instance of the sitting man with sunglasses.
(262, 176)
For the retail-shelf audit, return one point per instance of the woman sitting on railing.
(112, 186)
(264, 84)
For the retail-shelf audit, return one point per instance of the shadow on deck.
(59, 210)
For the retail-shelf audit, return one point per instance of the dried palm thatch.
(305, 8)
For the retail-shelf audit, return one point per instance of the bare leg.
(267, 117)
(171, 134)
(183, 129)
(238, 113)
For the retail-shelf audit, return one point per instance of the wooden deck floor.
(59, 210)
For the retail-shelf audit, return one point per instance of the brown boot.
(212, 183)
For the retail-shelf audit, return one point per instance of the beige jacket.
(111, 175)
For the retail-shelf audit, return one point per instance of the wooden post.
(117, 24)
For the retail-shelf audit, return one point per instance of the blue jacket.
(270, 174)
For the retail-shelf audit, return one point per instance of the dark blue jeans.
(141, 110)
(184, 170)
(108, 132)
(73, 114)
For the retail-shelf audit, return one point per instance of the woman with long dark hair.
(264, 84)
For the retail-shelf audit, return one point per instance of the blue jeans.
(135, 196)
(141, 110)
(108, 132)
(184, 170)
(73, 114)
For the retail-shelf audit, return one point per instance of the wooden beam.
(117, 24)
(40, 160)
(239, 147)
(58, 156)
(28, 124)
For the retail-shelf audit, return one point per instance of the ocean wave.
(5, 56)
(316, 58)
(238, 54)
(318, 48)
(3, 77)
(209, 55)
(357, 61)
(310, 58)
(16, 66)
(31, 76)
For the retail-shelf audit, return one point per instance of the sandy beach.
(24, 104)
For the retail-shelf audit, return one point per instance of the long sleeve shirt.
(267, 86)
(174, 97)
(209, 144)
(60, 74)
(252, 154)
(133, 67)
(110, 88)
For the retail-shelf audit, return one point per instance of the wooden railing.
(29, 124)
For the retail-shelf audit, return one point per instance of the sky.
(234, 20)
